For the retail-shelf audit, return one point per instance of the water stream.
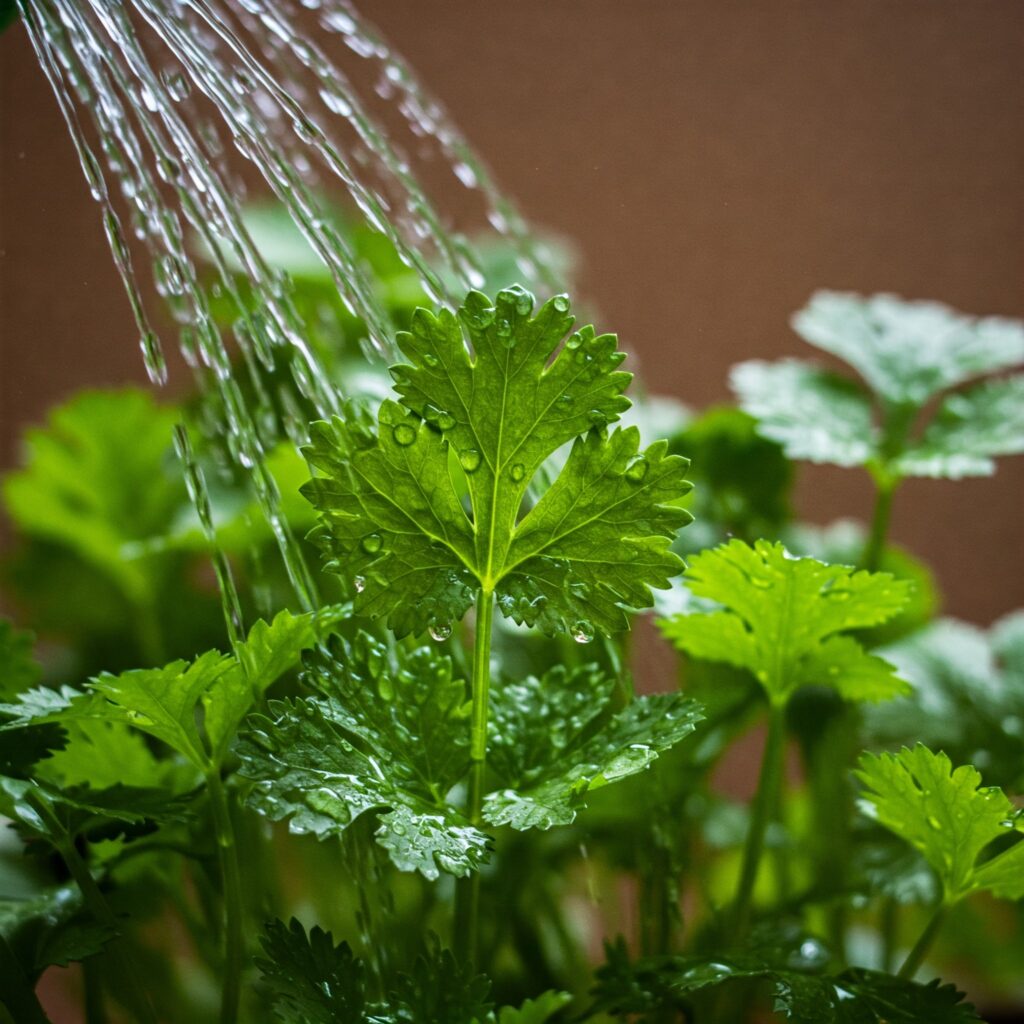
(181, 111)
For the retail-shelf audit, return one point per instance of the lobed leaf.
(781, 618)
(945, 814)
(391, 517)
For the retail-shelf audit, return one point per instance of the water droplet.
(574, 342)
(561, 303)
(404, 434)
(177, 84)
(372, 543)
(440, 631)
(153, 358)
(469, 460)
(597, 418)
(517, 472)
(583, 632)
(360, 584)
(565, 401)
(524, 304)
(503, 328)
(933, 821)
(429, 359)
(637, 470)
(445, 420)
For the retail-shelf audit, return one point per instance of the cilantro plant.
(424, 800)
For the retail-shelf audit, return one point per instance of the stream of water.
(181, 111)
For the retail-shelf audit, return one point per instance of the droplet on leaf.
(404, 434)
(517, 472)
(440, 631)
(637, 470)
(469, 460)
(372, 543)
(583, 632)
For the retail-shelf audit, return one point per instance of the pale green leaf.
(97, 479)
(969, 430)
(535, 1011)
(813, 414)
(942, 812)
(501, 390)
(908, 351)
(781, 616)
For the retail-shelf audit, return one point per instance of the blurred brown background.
(714, 162)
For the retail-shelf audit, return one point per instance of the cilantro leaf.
(946, 816)
(815, 415)
(311, 980)
(969, 430)
(18, 668)
(439, 988)
(534, 1011)
(596, 540)
(782, 616)
(545, 743)
(364, 746)
(967, 696)
(96, 481)
(164, 702)
(908, 351)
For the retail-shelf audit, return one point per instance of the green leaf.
(969, 430)
(311, 980)
(439, 988)
(50, 929)
(163, 701)
(535, 1011)
(967, 696)
(96, 480)
(908, 351)
(596, 540)
(781, 616)
(813, 414)
(389, 735)
(18, 668)
(945, 815)
(545, 743)
(405, 702)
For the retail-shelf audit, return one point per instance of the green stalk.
(18, 1000)
(889, 927)
(916, 956)
(467, 897)
(231, 880)
(97, 905)
(875, 547)
(768, 787)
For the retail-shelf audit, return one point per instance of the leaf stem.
(875, 546)
(916, 956)
(769, 784)
(467, 909)
(98, 906)
(231, 879)
(18, 1001)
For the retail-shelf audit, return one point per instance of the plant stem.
(231, 881)
(889, 929)
(97, 905)
(916, 956)
(467, 901)
(768, 786)
(875, 547)
(18, 1000)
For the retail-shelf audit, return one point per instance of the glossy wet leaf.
(310, 979)
(598, 537)
(388, 735)
(551, 746)
(782, 619)
(948, 816)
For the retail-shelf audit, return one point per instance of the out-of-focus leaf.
(18, 668)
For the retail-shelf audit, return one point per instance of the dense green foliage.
(448, 764)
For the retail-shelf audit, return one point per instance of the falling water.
(172, 106)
